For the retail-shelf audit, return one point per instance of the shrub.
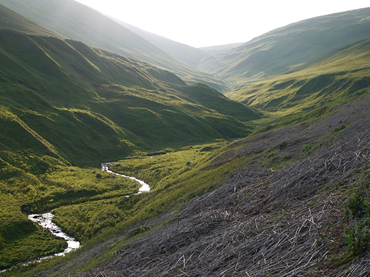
(357, 233)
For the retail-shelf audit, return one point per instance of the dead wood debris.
(261, 223)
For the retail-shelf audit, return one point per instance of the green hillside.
(78, 22)
(63, 103)
(289, 47)
(209, 98)
(100, 104)
(289, 196)
(326, 83)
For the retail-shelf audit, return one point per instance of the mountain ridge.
(334, 77)
(283, 49)
(132, 81)
(13, 21)
(185, 53)
(79, 22)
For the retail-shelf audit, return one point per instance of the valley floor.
(288, 221)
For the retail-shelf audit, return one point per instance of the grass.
(100, 105)
(91, 206)
(20, 239)
(78, 22)
(65, 107)
(288, 48)
(311, 92)
(63, 103)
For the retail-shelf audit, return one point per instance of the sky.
(201, 23)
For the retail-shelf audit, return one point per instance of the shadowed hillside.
(13, 21)
(78, 22)
(110, 101)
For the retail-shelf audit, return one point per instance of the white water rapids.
(45, 221)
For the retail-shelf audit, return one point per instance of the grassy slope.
(110, 101)
(62, 103)
(286, 48)
(314, 90)
(180, 51)
(32, 175)
(268, 188)
(76, 21)
(209, 98)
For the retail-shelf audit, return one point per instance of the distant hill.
(325, 83)
(76, 21)
(185, 53)
(13, 21)
(289, 47)
(218, 49)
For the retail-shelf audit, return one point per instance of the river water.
(45, 220)
(144, 186)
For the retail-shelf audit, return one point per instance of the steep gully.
(45, 220)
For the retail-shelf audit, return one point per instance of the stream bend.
(144, 186)
(45, 220)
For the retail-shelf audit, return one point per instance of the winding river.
(45, 220)
(144, 186)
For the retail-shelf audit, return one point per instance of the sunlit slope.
(91, 105)
(338, 77)
(76, 21)
(289, 47)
